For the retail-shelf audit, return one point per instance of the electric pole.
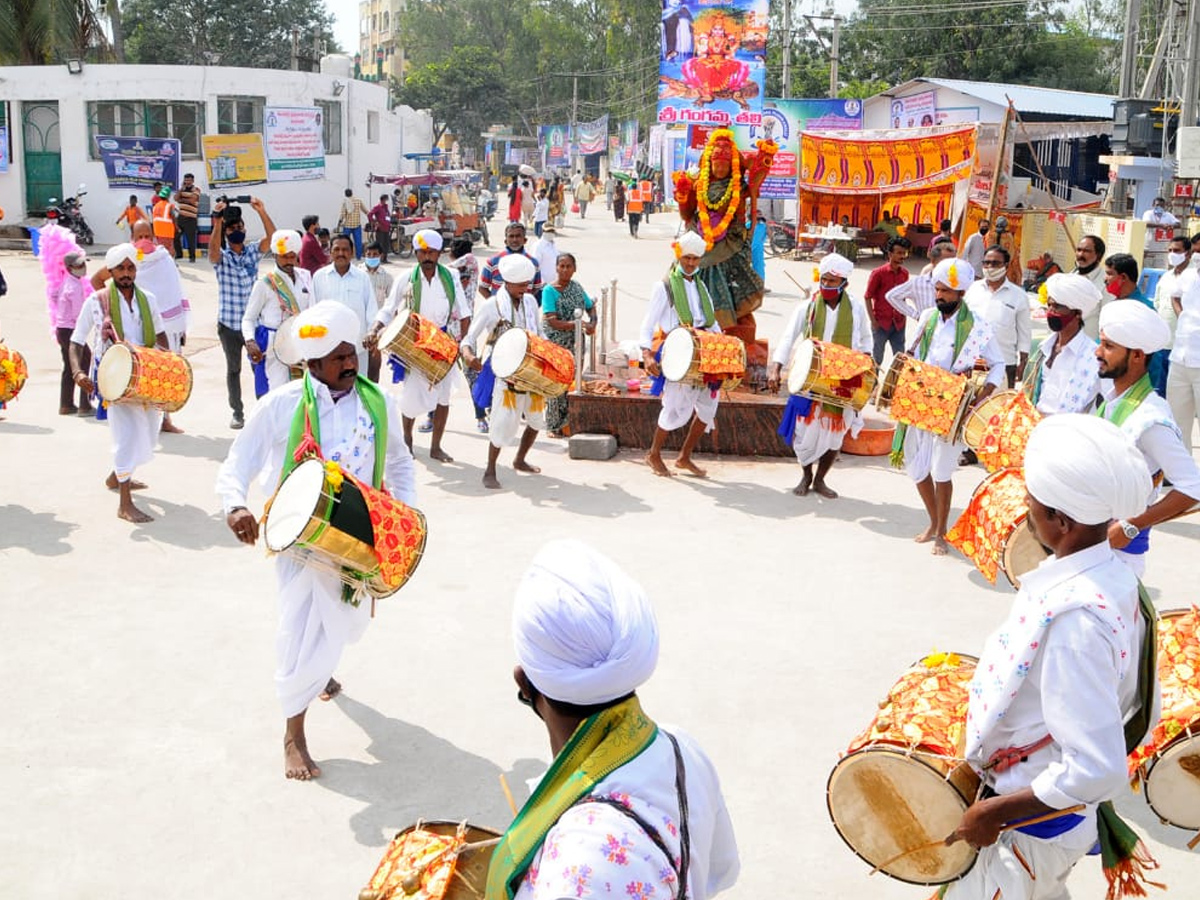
(787, 49)
(833, 58)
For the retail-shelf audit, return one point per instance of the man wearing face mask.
(1005, 307)
(952, 338)
(1171, 287)
(1089, 258)
(381, 279)
(1064, 375)
(975, 245)
(1157, 215)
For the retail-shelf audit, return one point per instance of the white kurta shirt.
(435, 306)
(1186, 348)
(793, 332)
(1072, 384)
(263, 306)
(95, 307)
(979, 344)
(1152, 427)
(527, 315)
(662, 315)
(1006, 309)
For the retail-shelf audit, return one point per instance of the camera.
(240, 198)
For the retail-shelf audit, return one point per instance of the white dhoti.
(926, 454)
(1038, 873)
(1135, 561)
(679, 401)
(814, 439)
(134, 429)
(418, 396)
(314, 626)
(508, 409)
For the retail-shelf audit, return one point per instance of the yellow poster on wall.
(234, 159)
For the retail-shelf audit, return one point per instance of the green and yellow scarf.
(1124, 406)
(114, 314)
(304, 439)
(447, 286)
(683, 309)
(843, 331)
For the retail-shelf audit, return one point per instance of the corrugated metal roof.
(1027, 99)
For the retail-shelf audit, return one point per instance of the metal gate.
(42, 154)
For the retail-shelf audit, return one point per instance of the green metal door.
(42, 154)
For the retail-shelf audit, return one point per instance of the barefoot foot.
(490, 481)
(112, 484)
(926, 536)
(132, 514)
(802, 489)
(825, 490)
(170, 428)
(332, 689)
(297, 764)
(654, 461)
(940, 547)
(440, 455)
(522, 466)
(686, 465)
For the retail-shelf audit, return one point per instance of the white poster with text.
(295, 146)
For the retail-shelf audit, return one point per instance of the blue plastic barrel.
(35, 240)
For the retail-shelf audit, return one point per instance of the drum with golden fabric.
(831, 373)
(992, 531)
(145, 375)
(922, 395)
(13, 373)
(420, 345)
(999, 428)
(1170, 758)
(325, 517)
(703, 358)
(903, 783)
(532, 363)
(434, 861)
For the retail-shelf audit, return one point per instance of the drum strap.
(287, 300)
(677, 291)
(304, 439)
(447, 279)
(114, 313)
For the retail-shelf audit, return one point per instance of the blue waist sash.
(485, 381)
(658, 381)
(797, 407)
(1139, 544)
(262, 336)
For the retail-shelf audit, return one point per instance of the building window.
(240, 115)
(151, 118)
(372, 128)
(331, 125)
(386, 23)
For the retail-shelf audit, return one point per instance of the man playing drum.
(436, 293)
(1130, 332)
(284, 292)
(948, 336)
(1064, 375)
(123, 312)
(627, 809)
(1059, 697)
(353, 424)
(835, 317)
(680, 300)
(511, 307)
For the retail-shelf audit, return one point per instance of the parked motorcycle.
(69, 214)
(781, 237)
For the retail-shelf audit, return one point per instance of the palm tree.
(44, 32)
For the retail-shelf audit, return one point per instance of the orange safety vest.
(164, 222)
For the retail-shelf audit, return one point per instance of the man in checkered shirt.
(514, 242)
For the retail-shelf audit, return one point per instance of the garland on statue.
(731, 198)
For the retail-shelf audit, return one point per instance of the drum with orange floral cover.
(145, 375)
(903, 784)
(1170, 758)
(992, 530)
(420, 344)
(999, 428)
(434, 861)
(831, 373)
(703, 358)
(13, 373)
(926, 396)
(532, 363)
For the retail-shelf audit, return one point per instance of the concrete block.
(592, 446)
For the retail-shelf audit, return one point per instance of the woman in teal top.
(559, 302)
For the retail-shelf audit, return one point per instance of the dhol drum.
(903, 784)
(327, 518)
(998, 429)
(832, 374)
(420, 345)
(533, 364)
(992, 531)
(1170, 760)
(926, 396)
(145, 375)
(13, 373)
(703, 358)
(434, 861)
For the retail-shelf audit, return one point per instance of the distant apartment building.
(380, 51)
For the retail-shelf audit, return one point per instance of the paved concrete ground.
(141, 750)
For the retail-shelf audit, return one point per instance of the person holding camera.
(236, 266)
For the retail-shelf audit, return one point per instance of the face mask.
(373, 262)
(1113, 288)
(236, 237)
(946, 308)
(1056, 321)
(983, 230)
(1176, 259)
(145, 246)
(828, 293)
(1158, 210)
(995, 274)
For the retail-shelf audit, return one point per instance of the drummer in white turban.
(815, 429)
(608, 813)
(277, 296)
(433, 292)
(950, 337)
(511, 307)
(335, 413)
(1129, 332)
(122, 311)
(1053, 720)
(681, 300)
(1064, 375)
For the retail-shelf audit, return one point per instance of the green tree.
(45, 32)
(466, 92)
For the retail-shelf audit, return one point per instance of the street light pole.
(833, 58)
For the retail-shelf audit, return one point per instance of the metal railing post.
(578, 350)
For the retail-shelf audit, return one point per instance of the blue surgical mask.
(373, 262)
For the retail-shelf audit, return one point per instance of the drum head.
(883, 802)
(116, 371)
(392, 330)
(1022, 553)
(286, 344)
(294, 504)
(1173, 782)
(509, 352)
(678, 350)
(975, 426)
(802, 362)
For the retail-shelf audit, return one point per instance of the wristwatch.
(1131, 531)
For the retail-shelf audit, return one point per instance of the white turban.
(835, 264)
(118, 254)
(285, 241)
(956, 274)
(516, 268)
(691, 244)
(1085, 467)
(1133, 324)
(427, 239)
(319, 330)
(584, 631)
(1073, 291)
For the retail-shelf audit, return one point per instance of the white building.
(53, 115)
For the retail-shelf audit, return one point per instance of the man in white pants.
(1183, 378)
(284, 292)
(435, 293)
(680, 300)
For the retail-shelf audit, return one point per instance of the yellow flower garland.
(730, 199)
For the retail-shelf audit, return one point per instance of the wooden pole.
(1041, 172)
(998, 170)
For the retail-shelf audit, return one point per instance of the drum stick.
(1191, 845)
(512, 804)
(412, 881)
(803, 290)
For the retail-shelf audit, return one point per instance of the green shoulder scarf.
(1124, 406)
(600, 745)
(114, 313)
(447, 285)
(675, 287)
(843, 330)
(304, 439)
(963, 323)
